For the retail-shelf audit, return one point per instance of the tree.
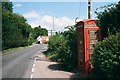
(39, 26)
(8, 6)
(106, 59)
(109, 19)
(44, 32)
(37, 31)
(15, 29)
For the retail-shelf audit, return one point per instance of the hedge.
(106, 57)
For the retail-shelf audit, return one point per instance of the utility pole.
(51, 32)
(53, 25)
(89, 9)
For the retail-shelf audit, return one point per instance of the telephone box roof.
(86, 20)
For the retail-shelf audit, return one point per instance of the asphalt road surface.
(18, 64)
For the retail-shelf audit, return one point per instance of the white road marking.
(31, 76)
(35, 61)
(33, 65)
(32, 70)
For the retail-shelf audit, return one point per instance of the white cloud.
(46, 21)
(32, 14)
(18, 5)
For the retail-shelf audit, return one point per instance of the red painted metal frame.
(83, 28)
(86, 36)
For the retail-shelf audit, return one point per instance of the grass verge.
(7, 51)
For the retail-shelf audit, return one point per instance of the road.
(18, 64)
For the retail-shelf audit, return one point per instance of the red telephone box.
(88, 34)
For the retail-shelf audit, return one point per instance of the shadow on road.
(60, 67)
(74, 76)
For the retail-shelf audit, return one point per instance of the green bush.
(109, 19)
(106, 57)
(55, 41)
(62, 48)
(70, 56)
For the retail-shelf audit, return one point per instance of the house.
(43, 39)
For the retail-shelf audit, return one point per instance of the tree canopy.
(15, 29)
(8, 6)
(109, 19)
(38, 31)
(106, 56)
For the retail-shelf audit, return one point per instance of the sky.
(63, 14)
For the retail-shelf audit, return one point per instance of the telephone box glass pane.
(93, 39)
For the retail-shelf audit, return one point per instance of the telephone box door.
(92, 37)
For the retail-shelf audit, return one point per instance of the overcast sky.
(63, 13)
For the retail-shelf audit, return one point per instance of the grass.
(7, 51)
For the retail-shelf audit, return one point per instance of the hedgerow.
(106, 57)
(62, 48)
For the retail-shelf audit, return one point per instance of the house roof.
(44, 37)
